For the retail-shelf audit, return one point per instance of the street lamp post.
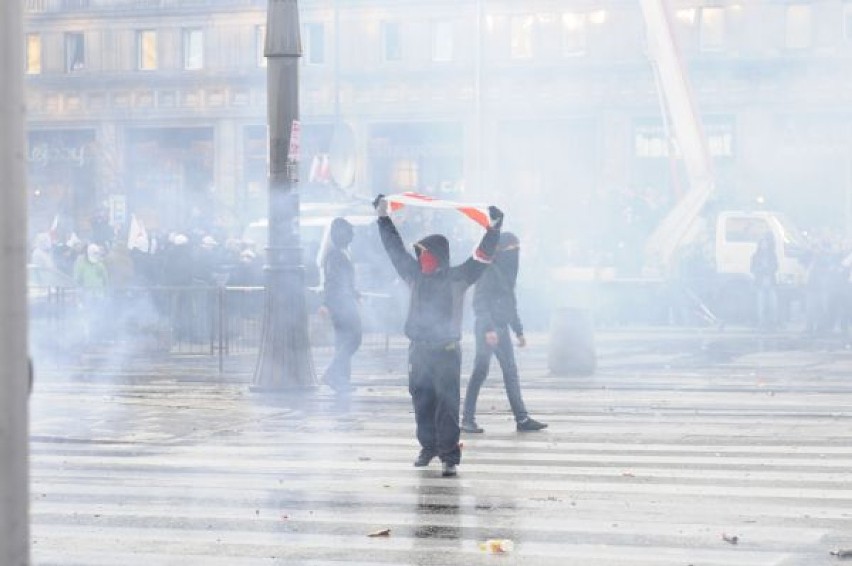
(284, 361)
(14, 382)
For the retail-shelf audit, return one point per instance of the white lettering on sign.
(44, 154)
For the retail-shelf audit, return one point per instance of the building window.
(749, 230)
(391, 42)
(651, 141)
(712, 30)
(193, 49)
(406, 175)
(260, 45)
(33, 54)
(798, 26)
(146, 50)
(573, 34)
(315, 35)
(521, 41)
(598, 17)
(75, 52)
(686, 16)
(442, 41)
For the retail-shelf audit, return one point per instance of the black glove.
(496, 216)
(380, 203)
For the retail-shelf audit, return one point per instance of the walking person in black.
(764, 269)
(433, 326)
(496, 309)
(340, 301)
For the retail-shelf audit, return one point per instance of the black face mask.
(341, 233)
(508, 262)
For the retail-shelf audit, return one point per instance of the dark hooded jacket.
(435, 308)
(338, 274)
(764, 264)
(494, 301)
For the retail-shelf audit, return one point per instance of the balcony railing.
(75, 6)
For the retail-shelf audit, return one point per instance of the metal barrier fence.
(209, 321)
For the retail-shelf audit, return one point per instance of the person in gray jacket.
(496, 309)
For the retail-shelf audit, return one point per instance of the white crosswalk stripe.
(644, 470)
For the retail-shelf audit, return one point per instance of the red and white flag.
(477, 213)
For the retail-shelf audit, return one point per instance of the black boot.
(424, 458)
(530, 425)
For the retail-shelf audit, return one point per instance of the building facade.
(158, 107)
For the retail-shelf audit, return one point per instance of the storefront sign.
(44, 154)
(117, 209)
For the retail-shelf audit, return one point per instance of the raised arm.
(473, 267)
(404, 263)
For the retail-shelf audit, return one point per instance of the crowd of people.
(821, 304)
(130, 278)
(196, 258)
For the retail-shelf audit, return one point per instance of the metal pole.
(14, 371)
(284, 361)
(336, 63)
(480, 172)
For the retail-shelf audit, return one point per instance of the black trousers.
(434, 376)
(347, 339)
(505, 353)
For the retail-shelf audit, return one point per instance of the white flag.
(137, 238)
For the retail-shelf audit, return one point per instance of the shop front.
(62, 180)
(171, 178)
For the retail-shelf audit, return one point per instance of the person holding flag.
(433, 326)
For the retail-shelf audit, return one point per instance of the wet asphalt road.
(679, 438)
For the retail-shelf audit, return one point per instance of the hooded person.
(42, 255)
(496, 310)
(340, 301)
(433, 326)
(90, 273)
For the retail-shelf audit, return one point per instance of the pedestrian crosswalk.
(645, 468)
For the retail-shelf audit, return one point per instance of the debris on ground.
(380, 533)
(732, 539)
(497, 546)
(842, 552)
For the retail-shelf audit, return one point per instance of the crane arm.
(681, 110)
